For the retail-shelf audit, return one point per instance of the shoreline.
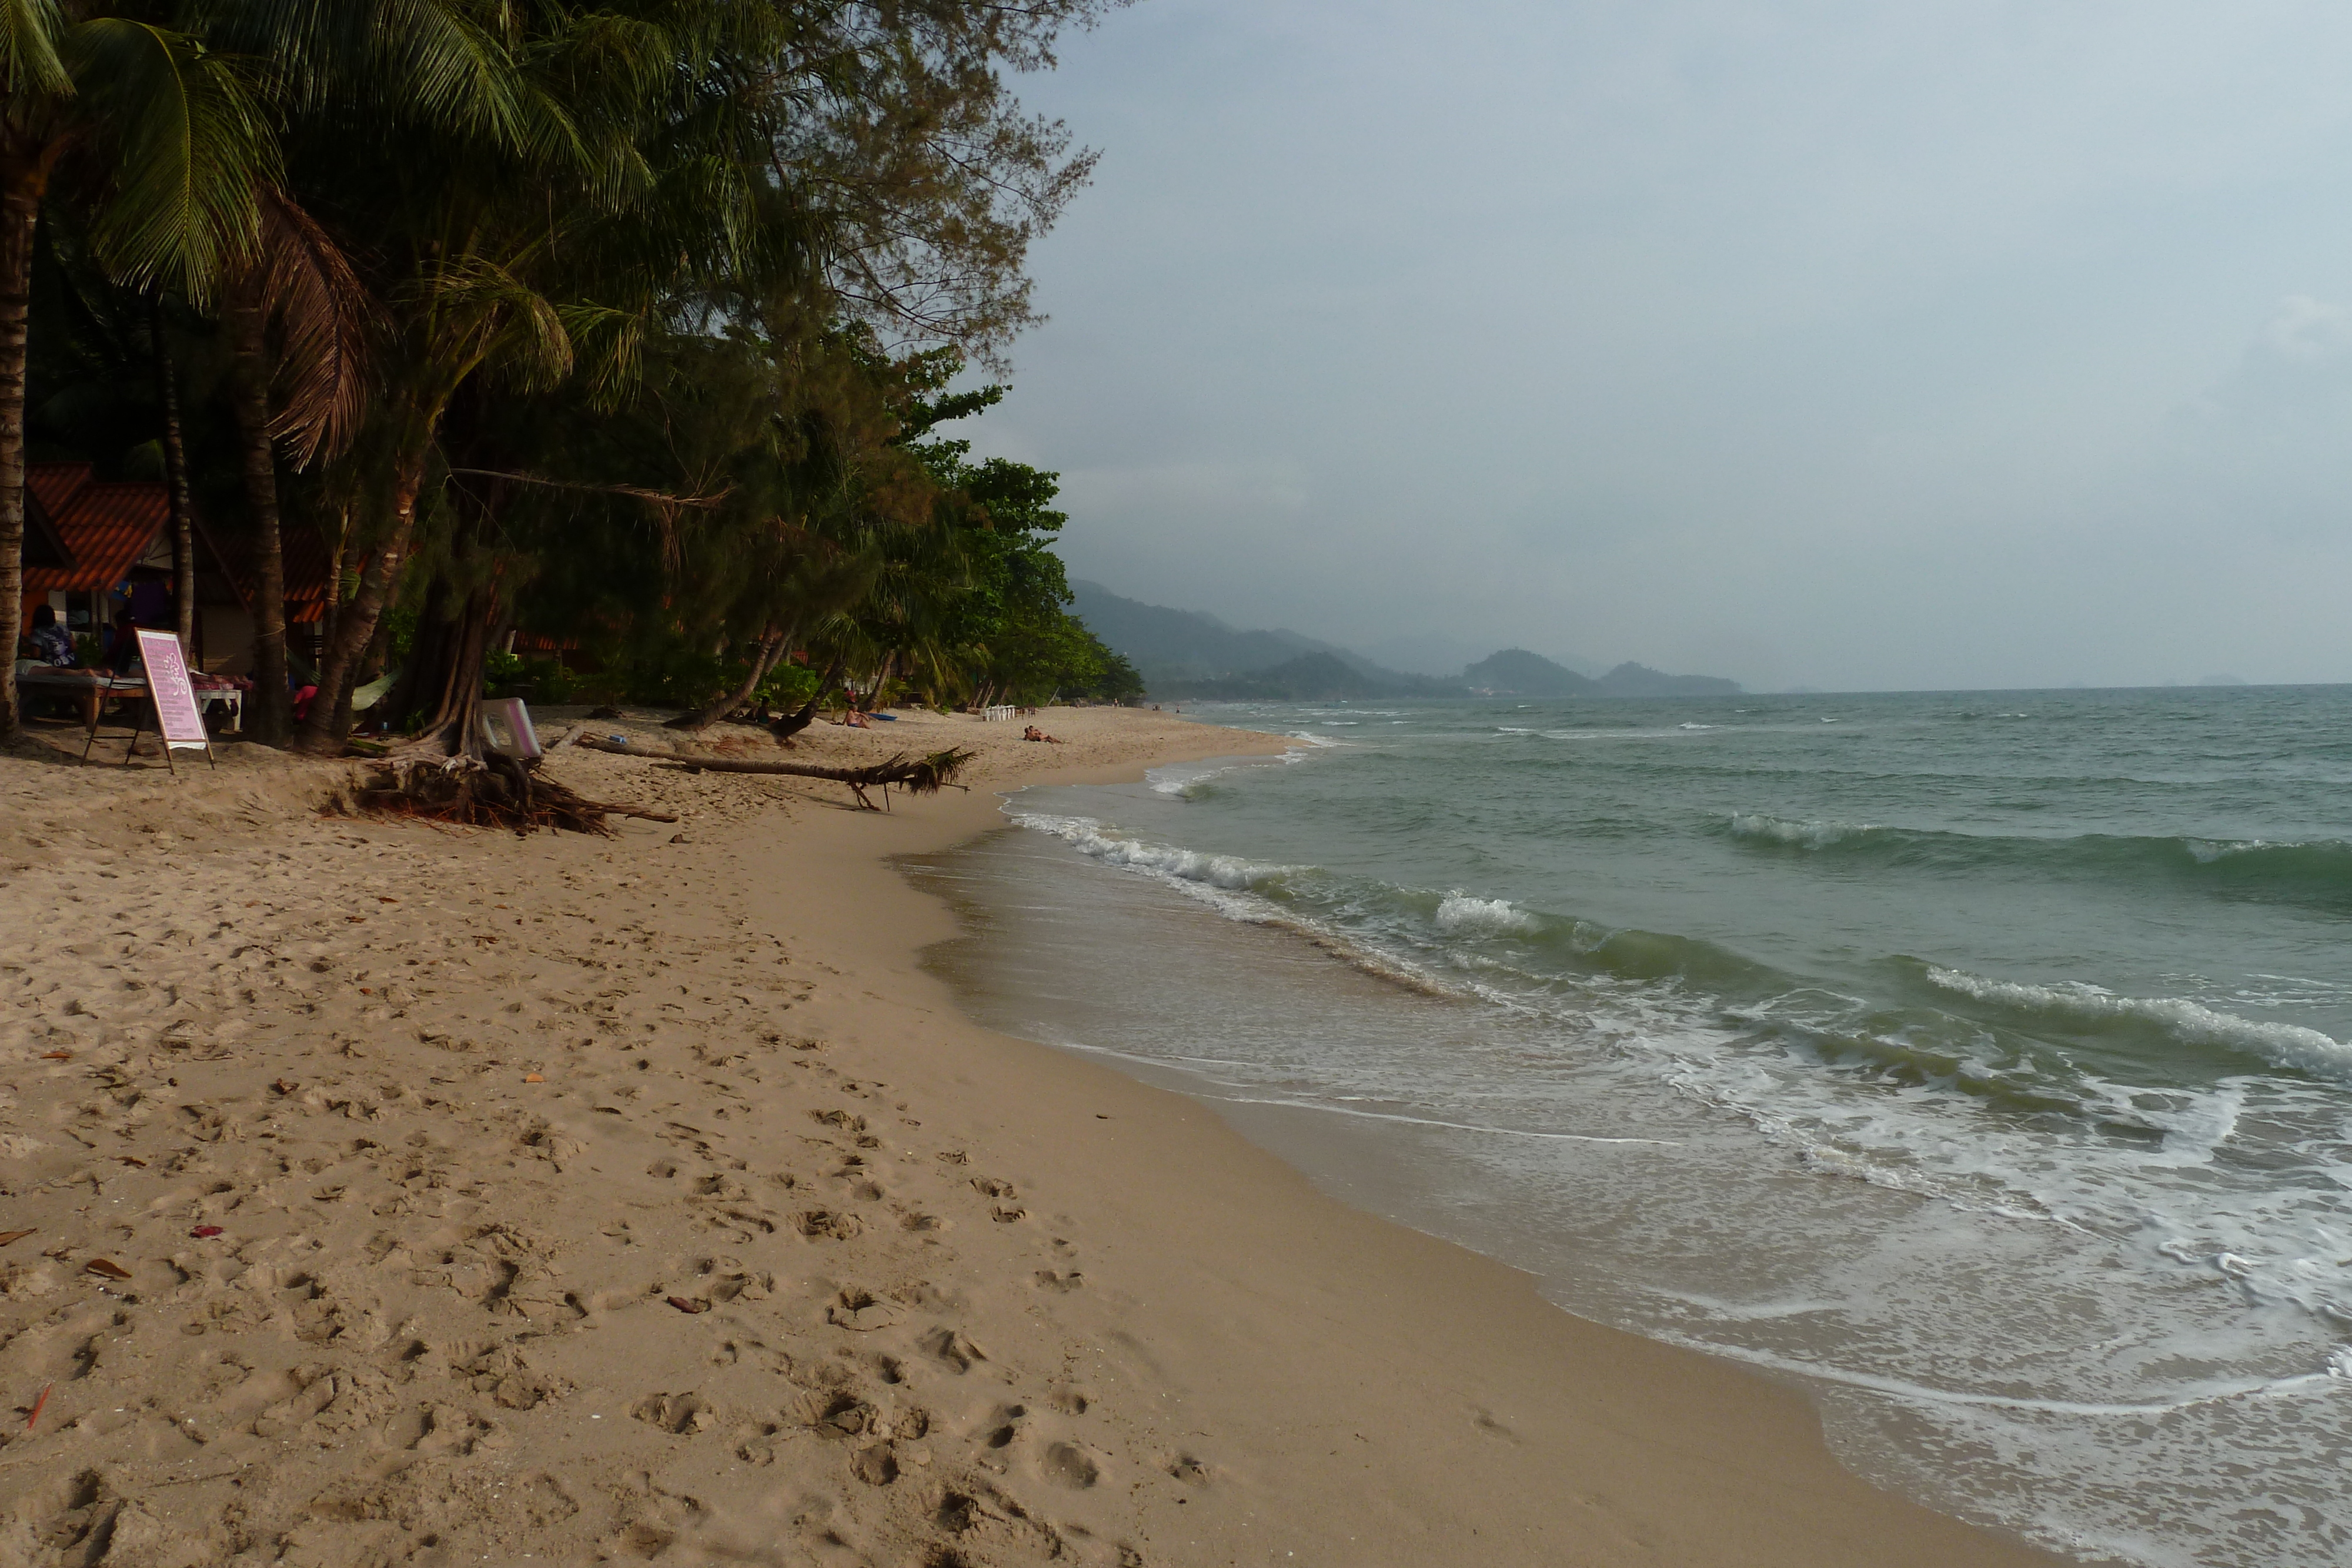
(1803, 1507)
(952, 1296)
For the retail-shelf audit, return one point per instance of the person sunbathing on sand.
(1034, 733)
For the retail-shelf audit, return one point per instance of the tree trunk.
(270, 718)
(21, 182)
(792, 724)
(771, 648)
(452, 680)
(371, 665)
(330, 712)
(420, 679)
(916, 775)
(331, 614)
(175, 480)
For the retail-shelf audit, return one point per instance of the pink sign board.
(167, 683)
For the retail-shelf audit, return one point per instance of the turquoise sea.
(1981, 1061)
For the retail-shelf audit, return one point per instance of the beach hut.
(93, 545)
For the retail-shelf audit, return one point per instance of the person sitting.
(52, 643)
(1034, 733)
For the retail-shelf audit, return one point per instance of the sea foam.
(1462, 912)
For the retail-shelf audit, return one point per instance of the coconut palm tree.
(159, 143)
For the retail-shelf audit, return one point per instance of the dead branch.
(496, 792)
(916, 775)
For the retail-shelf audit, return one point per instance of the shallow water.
(1978, 1060)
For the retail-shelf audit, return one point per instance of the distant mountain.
(1309, 677)
(1189, 653)
(1517, 673)
(1184, 645)
(1184, 653)
(1631, 680)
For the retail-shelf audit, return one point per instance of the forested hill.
(1188, 644)
(1189, 653)
(1517, 673)
(1631, 680)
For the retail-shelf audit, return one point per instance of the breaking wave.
(2070, 1004)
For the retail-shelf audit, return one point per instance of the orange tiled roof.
(109, 528)
(306, 570)
(54, 483)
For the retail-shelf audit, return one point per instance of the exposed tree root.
(916, 775)
(495, 792)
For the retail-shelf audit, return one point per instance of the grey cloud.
(1926, 345)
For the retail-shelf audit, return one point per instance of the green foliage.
(666, 672)
(402, 618)
(788, 685)
(630, 321)
(546, 680)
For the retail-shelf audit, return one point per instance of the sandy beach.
(383, 1194)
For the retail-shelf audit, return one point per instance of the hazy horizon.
(1445, 658)
(1932, 348)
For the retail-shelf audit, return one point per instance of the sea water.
(1981, 1061)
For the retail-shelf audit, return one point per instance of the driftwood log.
(916, 775)
(495, 791)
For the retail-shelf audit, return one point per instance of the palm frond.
(329, 323)
(439, 63)
(186, 145)
(29, 65)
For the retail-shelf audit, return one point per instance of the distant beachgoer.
(855, 720)
(52, 643)
(1034, 733)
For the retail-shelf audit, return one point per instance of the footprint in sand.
(954, 1349)
(877, 1466)
(1068, 1465)
(825, 1222)
(1007, 1429)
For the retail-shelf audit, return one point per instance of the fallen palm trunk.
(496, 792)
(916, 775)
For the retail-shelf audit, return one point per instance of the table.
(89, 687)
(93, 688)
(229, 697)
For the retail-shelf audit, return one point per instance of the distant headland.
(1184, 654)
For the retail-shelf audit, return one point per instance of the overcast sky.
(1919, 344)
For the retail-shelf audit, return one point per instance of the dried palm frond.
(303, 279)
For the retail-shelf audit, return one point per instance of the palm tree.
(307, 391)
(660, 162)
(160, 143)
